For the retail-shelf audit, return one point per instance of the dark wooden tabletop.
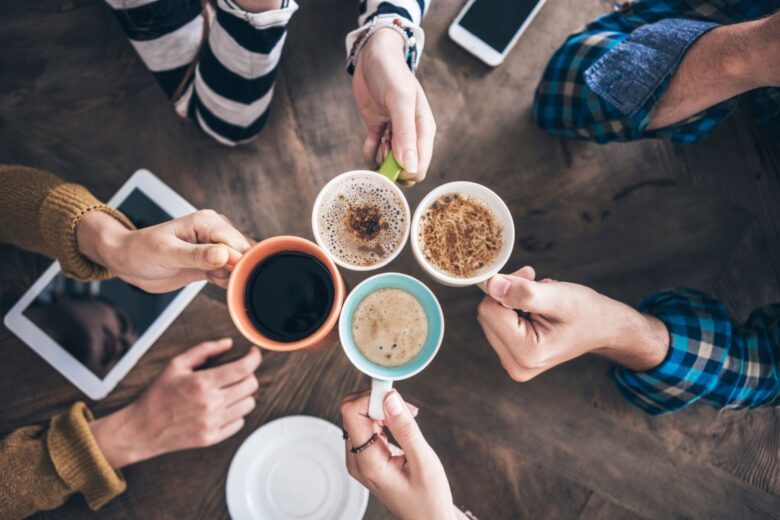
(626, 219)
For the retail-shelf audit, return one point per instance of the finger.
(180, 279)
(237, 370)
(360, 428)
(201, 257)
(238, 391)
(238, 410)
(211, 227)
(513, 330)
(228, 430)
(404, 137)
(220, 277)
(371, 143)
(504, 354)
(402, 425)
(199, 354)
(527, 272)
(426, 133)
(519, 293)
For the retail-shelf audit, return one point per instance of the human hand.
(389, 96)
(167, 256)
(183, 408)
(409, 481)
(560, 321)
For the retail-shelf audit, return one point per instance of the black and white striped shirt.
(228, 94)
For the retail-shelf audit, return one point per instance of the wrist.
(119, 445)
(384, 42)
(259, 6)
(99, 237)
(637, 341)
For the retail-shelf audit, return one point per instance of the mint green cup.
(382, 377)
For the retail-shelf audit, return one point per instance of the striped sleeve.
(412, 10)
(229, 92)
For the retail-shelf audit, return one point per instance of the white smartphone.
(489, 29)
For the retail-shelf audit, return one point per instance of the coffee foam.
(341, 241)
(389, 327)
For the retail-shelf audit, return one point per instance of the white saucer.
(293, 469)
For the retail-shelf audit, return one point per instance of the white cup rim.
(318, 202)
(487, 196)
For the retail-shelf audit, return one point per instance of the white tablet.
(94, 332)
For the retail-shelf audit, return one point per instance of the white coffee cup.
(386, 177)
(491, 200)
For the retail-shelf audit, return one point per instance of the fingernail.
(394, 404)
(226, 341)
(499, 286)
(410, 161)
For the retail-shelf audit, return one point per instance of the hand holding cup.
(409, 478)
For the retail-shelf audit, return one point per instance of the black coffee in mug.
(289, 296)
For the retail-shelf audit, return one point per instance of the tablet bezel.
(59, 358)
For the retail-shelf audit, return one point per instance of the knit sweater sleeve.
(42, 466)
(40, 212)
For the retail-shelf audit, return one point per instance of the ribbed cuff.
(78, 460)
(60, 215)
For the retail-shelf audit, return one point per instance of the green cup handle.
(390, 168)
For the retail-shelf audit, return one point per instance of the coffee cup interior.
(395, 212)
(489, 199)
(433, 315)
(241, 278)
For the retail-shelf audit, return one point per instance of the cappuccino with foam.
(389, 327)
(361, 221)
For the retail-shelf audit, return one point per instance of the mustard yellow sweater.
(41, 466)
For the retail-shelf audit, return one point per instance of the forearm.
(111, 434)
(99, 237)
(723, 63)
(41, 213)
(638, 341)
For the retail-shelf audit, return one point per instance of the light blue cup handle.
(382, 377)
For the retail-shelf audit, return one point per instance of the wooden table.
(626, 219)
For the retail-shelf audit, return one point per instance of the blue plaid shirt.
(711, 358)
(604, 82)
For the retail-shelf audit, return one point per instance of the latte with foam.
(389, 327)
(361, 221)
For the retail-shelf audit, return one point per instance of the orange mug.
(323, 337)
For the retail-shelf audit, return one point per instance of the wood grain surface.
(626, 219)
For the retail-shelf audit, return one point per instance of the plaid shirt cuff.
(710, 357)
(700, 331)
(632, 74)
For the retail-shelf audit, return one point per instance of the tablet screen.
(98, 322)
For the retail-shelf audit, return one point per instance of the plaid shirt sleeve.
(710, 357)
(604, 82)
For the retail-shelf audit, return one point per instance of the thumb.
(520, 293)
(401, 423)
(199, 354)
(404, 134)
(205, 257)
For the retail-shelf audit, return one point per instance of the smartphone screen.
(496, 21)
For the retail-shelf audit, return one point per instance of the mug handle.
(390, 167)
(376, 405)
